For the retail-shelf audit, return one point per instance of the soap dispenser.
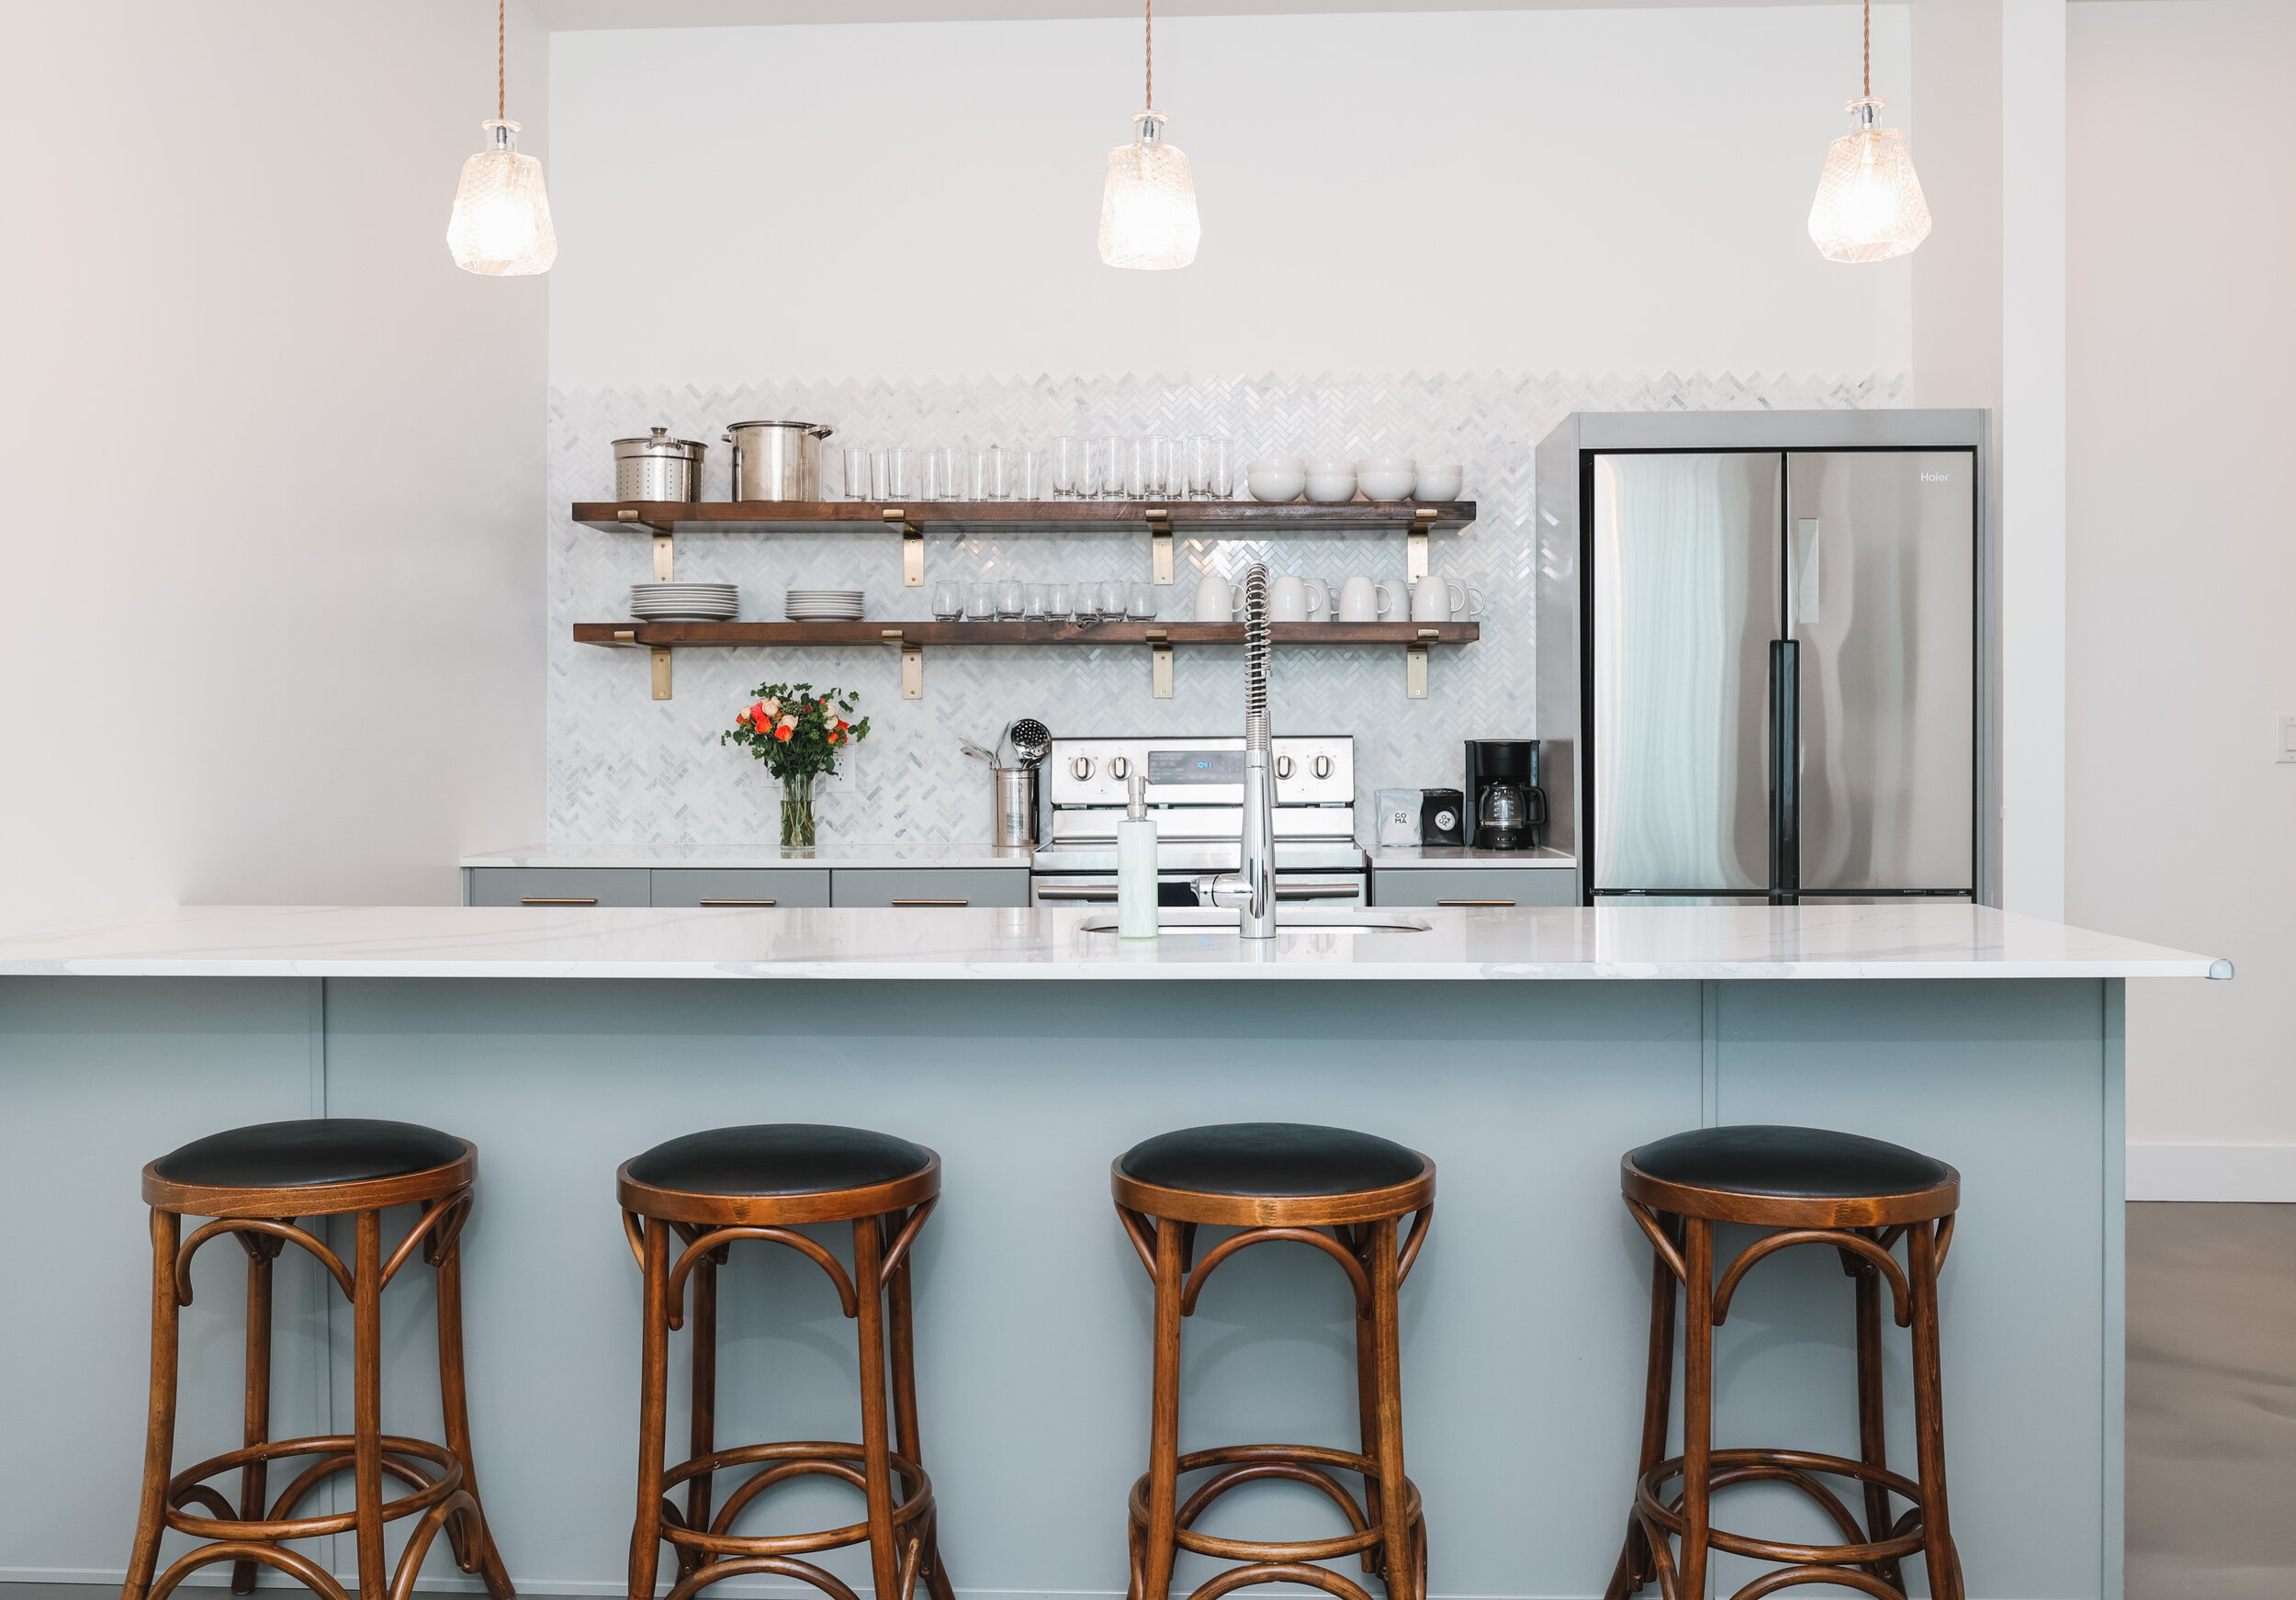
(1136, 866)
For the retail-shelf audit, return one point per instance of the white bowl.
(1276, 487)
(1331, 488)
(1387, 484)
(1387, 464)
(1440, 481)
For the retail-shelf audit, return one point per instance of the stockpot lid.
(819, 430)
(659, 444)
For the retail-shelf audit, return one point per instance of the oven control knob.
(1283, 766)
(1322, 766)
(1119, 768)
(1080, 768)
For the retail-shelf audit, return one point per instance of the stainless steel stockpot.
(777, 460)
(657, 468)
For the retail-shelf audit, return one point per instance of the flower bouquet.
(797, 733)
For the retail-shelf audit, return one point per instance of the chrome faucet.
(1252, 890)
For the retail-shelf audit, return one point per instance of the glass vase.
(797, 811)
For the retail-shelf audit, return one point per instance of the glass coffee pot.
(1501, 817)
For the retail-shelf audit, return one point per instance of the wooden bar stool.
(762, 1182)
(255, 1182)
(1861, 1195)
(1278, 1180)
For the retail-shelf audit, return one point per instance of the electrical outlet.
(2287, 739)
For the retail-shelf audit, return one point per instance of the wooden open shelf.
(1210, 515)
(660, 635)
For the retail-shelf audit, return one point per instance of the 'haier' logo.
(1933, 478)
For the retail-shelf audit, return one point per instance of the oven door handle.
(1316, 891)
(1076, 892)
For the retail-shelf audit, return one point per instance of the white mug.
(1290, 599)
(1215, 601)
(1441, 598)
(1394, 599)
(1361, 600)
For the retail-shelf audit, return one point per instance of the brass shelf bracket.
(1415, 664)
(912, 548)
(661, 671)
(665, 551)
(1160, 542)
(1415, 545)
(912, 664)
(1159, 664)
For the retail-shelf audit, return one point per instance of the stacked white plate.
(685, 602)
(823, 605)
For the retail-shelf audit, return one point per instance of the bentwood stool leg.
(652, 1411)
(158, 1438)
(1636, 1564)
(1929, 1419)
(473, 1541)
(1398, 1556)
(701, 1433)
(1163, 1427)
(262, 1250)
(901, 1327)
(1873, 1442)
(1697, 1405)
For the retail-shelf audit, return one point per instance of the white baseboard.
(2212, 1172)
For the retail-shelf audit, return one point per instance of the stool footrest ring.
(808, 1457)
(403, 1458)
(1308, 1464)
(1794, 1467)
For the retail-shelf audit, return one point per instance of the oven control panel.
(1316, 770)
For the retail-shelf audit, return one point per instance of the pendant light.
(1869, 205)
(501, 224)
(1148, 209)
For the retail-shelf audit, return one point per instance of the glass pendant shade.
(1869, 205)
(501, 224)
(1148, 209)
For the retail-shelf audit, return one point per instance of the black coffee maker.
(1505, 806)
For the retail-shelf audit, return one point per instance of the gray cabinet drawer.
(742, 886)
(964, 886)
(560, 885)
(1514, 886)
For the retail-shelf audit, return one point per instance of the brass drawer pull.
(559, 900)
(737, 902)
(1474, 901)
(928, 902)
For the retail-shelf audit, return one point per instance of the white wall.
(1604, 191)
(273, 541)
(2182, 560)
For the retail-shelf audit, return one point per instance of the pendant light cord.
(1869, 49)
(1148, 13)
(502, 96)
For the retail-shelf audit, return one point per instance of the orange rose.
(782, 733)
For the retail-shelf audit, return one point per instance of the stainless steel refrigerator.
(1779, 683)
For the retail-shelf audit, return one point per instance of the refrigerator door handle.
(1785, 752)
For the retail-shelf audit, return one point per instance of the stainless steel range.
(1196, 794)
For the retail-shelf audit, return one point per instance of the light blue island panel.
(1523, 1323)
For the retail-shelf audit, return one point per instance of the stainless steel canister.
(1012, 813)
(777, 460)
(657, 468)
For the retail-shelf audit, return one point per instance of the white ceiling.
(567, 14)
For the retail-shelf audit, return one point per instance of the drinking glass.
(1034, 610)
(1143, 604)
(1112, 598)
(1170, 480)
(1210, 477)
(1141, 478)
(946, 463)
(1029, 474)
(990, 465)
(980, 602)
(1072, 468)
(1056, 601)
(856, 472)
(1108, 470)
(877, 475)
(1011, 597)
(897, 472)
(948, 600)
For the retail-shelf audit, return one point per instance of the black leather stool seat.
(771, 1158)
(1270, 1158)
(1758, 1158)
(308, 1154)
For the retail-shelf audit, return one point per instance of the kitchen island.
(1524, 1049)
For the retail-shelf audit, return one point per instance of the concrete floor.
(2212, 1408)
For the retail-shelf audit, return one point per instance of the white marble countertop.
(1918, 940)
(1454, 855)
(835, 854)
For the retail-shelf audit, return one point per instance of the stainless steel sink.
(1182, 919)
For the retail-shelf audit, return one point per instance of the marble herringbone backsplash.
(627, 769)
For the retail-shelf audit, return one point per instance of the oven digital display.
(1196, 766)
